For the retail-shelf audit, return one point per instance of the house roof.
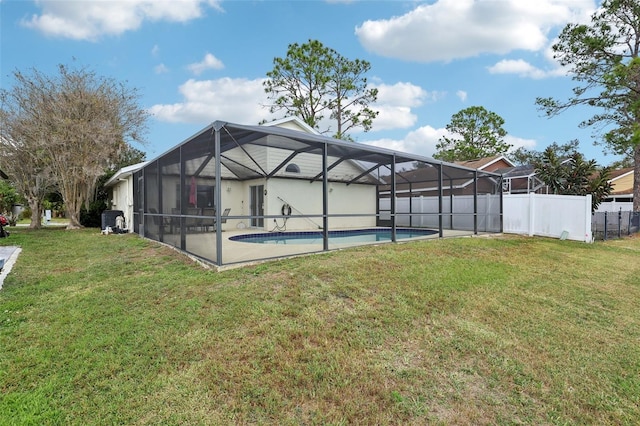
(293, 123)
(123, 173)
(620, 173)
(484, 163)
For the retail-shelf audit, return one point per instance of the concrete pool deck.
(237, 253)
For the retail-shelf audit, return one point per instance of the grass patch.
(117, 329)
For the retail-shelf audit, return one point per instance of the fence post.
(605, 225)
(620, 222)
(532, 213)
(588, 232)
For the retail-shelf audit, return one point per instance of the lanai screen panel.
(184, 192)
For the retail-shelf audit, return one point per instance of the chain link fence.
(609, 225)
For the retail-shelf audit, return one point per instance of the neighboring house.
(120, 187)
(418, 181)
(621, 197)
(488, 164)
(515, 179)
(622, 185)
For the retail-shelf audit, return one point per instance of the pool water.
(335, 237)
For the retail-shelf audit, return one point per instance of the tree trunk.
(636, 179)
(36, 212)
(74, 220)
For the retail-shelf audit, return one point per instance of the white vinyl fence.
(458, 212)
(548, 215)
(615, 206)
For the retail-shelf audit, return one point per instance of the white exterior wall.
(233, 197)
(122, 199)
(548, 215)
(305, 198)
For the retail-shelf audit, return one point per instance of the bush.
(92, 218)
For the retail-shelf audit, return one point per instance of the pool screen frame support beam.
(218, 196)
(393, 198)
(325, 198)
(440, 195)
(475, 202)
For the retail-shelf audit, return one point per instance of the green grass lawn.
(506, 330)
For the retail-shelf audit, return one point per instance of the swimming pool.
(352, 236)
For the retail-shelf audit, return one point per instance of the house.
(488, 164)
(621, 197)
(282, 176)
(622, 185)
(120, 188)
(420, 181)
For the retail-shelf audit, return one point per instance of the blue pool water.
(335, 237)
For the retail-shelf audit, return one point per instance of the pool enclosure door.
(257, 205)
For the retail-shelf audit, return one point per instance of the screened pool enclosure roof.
(242, 158)
(258, 177)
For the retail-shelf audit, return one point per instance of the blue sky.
(197, 61)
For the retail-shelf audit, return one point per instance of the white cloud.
(89, 20)
(453, 29)
(395, 103)
(517, 142)
(406, 94)
(236, 100)
(209, 62)
(462, 95)
(421, 141)
(524, 69)
(161, 69)
(155, 51)
(519, 66)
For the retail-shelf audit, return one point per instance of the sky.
(198, 61)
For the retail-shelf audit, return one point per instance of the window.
(292, 168)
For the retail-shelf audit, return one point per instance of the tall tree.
(23, 152)
(573, 175)
(523, 156)
(603, 58)
(80, 122)
(479, 133)
(316, 83)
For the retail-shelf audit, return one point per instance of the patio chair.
(210, 217)
(223, 219)
(193, 222)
